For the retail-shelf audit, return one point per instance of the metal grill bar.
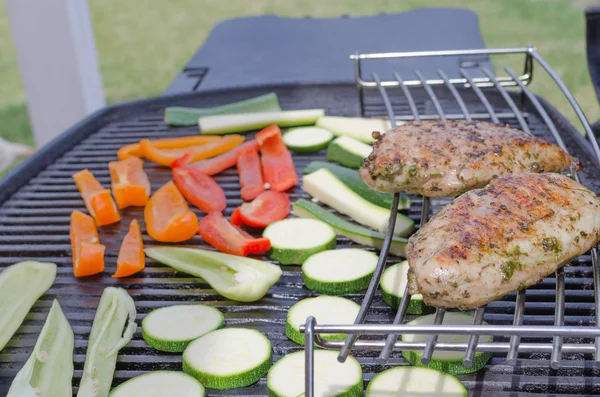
(460, 116)
(409, 98)
(472, 347)
(456, 95)
(559, 318)
(370, 294)
(432, 96)
(481, 96)
(513, 348)
(508, 100)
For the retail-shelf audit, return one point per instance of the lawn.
(142, 45)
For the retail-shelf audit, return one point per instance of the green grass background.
(143, 44)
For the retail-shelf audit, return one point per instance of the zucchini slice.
(327, 188)
(332, 378)
(337, 272)
(447, 361)
(351, 179)
(160, 384)
(307, 139)
(228, 123)
(228, 358)
(307, 209)
(355, 127)
(326, 309)
(294, 240)
(393, 283)
(348, 152)
(414, 381)
(172, 328)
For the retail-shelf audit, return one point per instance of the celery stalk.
(229, 123)
(114, 325)
(183, 116)
(20, 286)
(235, 277)
(49, 370)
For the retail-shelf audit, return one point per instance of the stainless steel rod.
(470, 353)
(479, 92)
(430, 346)
(309, 357)
(456, 95)
(596, 273)
(457, 116)
(432, 96)
(391, 339)
(509, 101)
(385, 249)
(515, 339)
(409, 98)
(415, 54)
(559, 318)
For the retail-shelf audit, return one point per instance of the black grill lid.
(37, 198)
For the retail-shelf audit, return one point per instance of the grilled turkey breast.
(506, 236)
(447, 158)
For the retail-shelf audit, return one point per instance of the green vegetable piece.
(184, 116)
(240, 122)
(307, 209)
(114, 325)
(20, 286)
(235, 277)
(49, 370)
(352, 179)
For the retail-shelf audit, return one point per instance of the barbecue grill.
(546, 338)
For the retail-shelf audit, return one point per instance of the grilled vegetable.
(325, 187)
(199, 189)
(348, 152)
(268, 207)
(160, 383)
(449, 157)
(226, 124)
(168, 217)
(87, 252)
(234, 277)
(393, 283)
(98, 200)
(135, 150)
(446, 361)
(250, 171)
(172, 328)
(114, 325)
(411, 381)
(185, 116)
(228, 358)
(130, 184)
(131, 257)
(342, 271)
(354, 127)
(197, 152)
(230, 239)
(21, 285)
(504, 237)
(49, 370)
(294, 240)
(307, 139)
(332, 378)
(326, 310)
(351, 179)
(306, 209)
(216, 164)
(278, 167)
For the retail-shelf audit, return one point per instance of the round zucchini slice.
(393, 283)
(160, 384)
(414, 382)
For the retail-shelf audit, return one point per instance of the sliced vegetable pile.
(212, 356)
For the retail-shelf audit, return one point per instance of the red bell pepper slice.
(230, 239)
(251, 180)
(199, 189)
(278, 167)
(268, 207)
(216, 164)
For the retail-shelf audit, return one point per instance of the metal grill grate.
(36, 200)
(519, 329)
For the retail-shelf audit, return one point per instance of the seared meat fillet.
(447, 158)
(506, 236)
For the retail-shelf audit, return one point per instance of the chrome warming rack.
(556, 348)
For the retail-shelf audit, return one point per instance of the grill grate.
(519, 329)
(36, 200)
